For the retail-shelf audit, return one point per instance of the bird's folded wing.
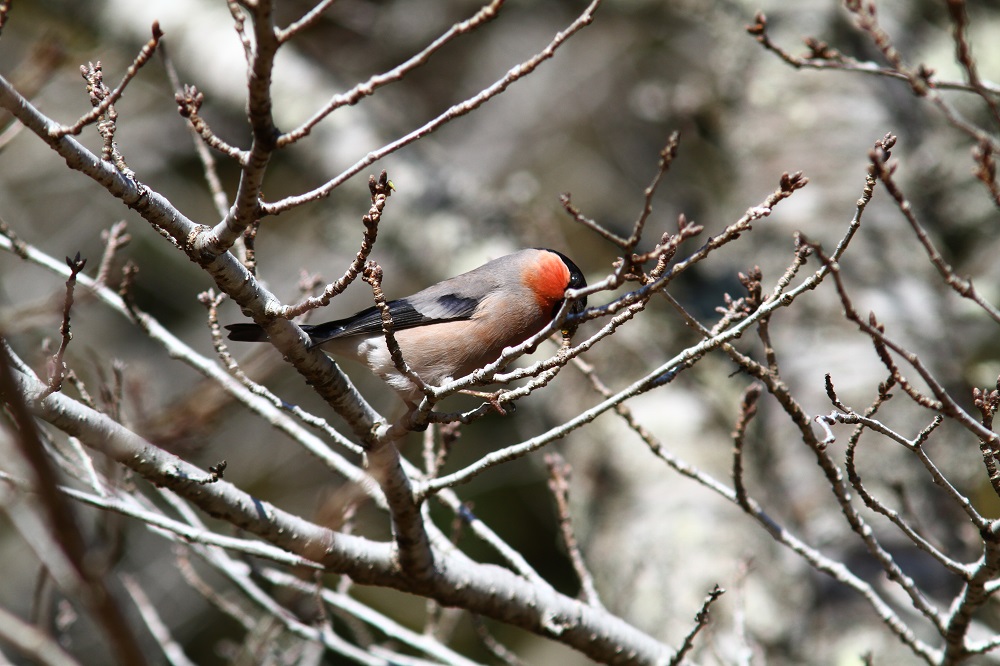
(405, 312)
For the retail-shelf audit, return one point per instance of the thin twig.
(963, 53)
(514, 74)
(172, 650)
(239, 26)
(961, 286)
(218, 192)
(189, 100)
(114, 239)
(920, 78)
(57, 366)
(945, 404)
(226, 606)
(367, 88)
(700, 620)
(559, 474)
(372, 274)
(309, 19)
(875, 505)
(103, 104)
(781, 534)
(492, 645)
(628, 245)
(748, 408)
(380, 189)
(17, 246)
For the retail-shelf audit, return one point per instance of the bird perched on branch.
(454, 327)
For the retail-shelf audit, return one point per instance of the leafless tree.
(93, 456)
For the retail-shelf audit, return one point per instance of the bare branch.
(700, 620)
(920, 78)
(58, 515)
(185, 104)
(486, 14)
(748, 408)
(514, 74)
(308, 19)
(457, 581)
(559, 474)
(963, 54)
(189, 100)
(57, 366)
(963, 287)
(171, 649)
(103, 99)
(945, 403)
(380, 189)
(27, 638)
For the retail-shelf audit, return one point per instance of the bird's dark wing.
(417, 310)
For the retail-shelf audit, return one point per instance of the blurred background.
(589, 122)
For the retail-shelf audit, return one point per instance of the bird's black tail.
(246, 333)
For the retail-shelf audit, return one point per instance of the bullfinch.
(454, 327)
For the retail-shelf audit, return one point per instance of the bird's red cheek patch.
(547, 279)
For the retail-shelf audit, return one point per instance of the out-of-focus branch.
(514, 74)
(60, 518)
(219, 197)
(486, 14)
(114, 239)
(559, 473)
(267, 409)
(370, 616)
(963, 54)
(170, 647)
(455, 580)
(29, 639)
(127, 506)
(964, 287)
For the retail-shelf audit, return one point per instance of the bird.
(454, 327)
